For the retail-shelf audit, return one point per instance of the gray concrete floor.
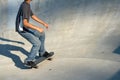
(84, 34)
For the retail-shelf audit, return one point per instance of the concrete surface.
(84, 34)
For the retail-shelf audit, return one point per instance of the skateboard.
(38, 60)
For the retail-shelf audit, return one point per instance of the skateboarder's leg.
(35, 48)
(41, 37)
(42, 51)
(42, 47)
(35, 44)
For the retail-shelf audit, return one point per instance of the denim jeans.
(37, 40)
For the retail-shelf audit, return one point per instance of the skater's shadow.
(5, 50)
(7, 40)
(117, 50)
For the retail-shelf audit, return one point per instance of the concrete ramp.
(84, 34)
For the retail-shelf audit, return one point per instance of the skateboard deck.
(39, 60)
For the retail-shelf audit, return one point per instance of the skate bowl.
(84, 34)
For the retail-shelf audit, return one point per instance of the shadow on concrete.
(3, 39)
(116, 76)
(117, 50)
(5, 50)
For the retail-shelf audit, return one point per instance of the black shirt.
(24, 12)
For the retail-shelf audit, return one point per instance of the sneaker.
(29, 63)
(46, 54)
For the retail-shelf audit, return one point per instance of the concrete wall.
(3, 14)
(78, 28)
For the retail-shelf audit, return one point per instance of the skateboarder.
(34, 34)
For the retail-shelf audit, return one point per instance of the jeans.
(37, 40)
